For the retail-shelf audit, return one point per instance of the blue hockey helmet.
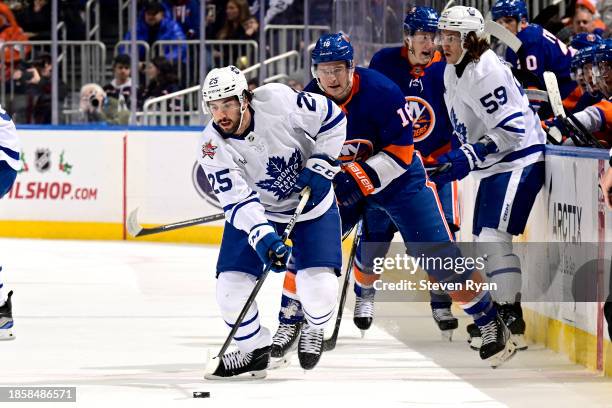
(421, 18)
(510, 8)
(587, 54)
(603, 51)
(332, 47)
(582, 40)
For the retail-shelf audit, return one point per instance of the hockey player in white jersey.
(502, 145)
(9, 165)
(259, 151)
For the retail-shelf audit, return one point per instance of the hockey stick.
(441, 168)
(578, 133)
(211, 367)
(137, 230)
(503, 34)
(330, 344)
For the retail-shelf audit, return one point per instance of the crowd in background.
(30, 20)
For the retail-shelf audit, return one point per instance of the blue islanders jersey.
(423, 88)
(379, 128)
(542, 51)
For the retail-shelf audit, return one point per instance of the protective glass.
(331, 72)
(449, 39)
(424, 38)
(228, 106)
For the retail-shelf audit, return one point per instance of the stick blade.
(503, 34)
(554, 96)
(133, 228)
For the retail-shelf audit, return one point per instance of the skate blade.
(7, 335)
(251, 375)
(281, 362)
(447, 335)
(519, 341)
(475, 343)
(506, 354)
(363, 333)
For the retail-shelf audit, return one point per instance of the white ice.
(129, 324)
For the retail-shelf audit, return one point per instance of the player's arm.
(325, 125)
(240, 203)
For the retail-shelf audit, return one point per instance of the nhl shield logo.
(202, 186)
(42, 160)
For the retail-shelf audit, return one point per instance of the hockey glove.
(463, 160)
(318, 174)
(270, 247)
(356, 181)
(559, 124)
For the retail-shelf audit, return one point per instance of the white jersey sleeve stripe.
(330, 109)
(10, 153)
(238, 206)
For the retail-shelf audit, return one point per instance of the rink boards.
(81, 183)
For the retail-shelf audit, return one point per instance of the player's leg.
(376, 236)
(419, 217)
(503, 204)
(441, 302)
(290, 318)
(238, 268)
(318, 260)
(7, 178)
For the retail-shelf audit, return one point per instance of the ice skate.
(446, 322)
(284, 343)
(512, 315)
(239, 365)
(364, 313)
(310, 347)
(497, 347)
(6, 319)
(475, 338)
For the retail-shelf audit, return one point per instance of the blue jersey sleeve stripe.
(330, 109)
(509, 118)
(230, 206)
(240, 205)
(513, 129)
(10, 153)
(331, 124)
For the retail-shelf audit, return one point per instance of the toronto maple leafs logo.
(459, 128)
(208, 150)
(281, 175)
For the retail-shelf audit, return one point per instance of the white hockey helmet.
(462, 19)
(222, 83)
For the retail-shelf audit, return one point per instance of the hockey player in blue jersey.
(502, 145)
(259, 151)
(382, 170)
(541, 51)
(418, 69)
(9, 165)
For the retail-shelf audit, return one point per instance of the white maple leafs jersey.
(9, 142)
(253, 174)
(487, 100)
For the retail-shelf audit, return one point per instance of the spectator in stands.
(253, 83)
(605, 11)
(154, 25)
(584, 20)
(120, 87)
(251, 28)
(236, 12)
(162, 81)
(295, 84)
(97, 107)
(187, 14)
(35, 84)
(215, 17)
(10, 31)
(35, 19)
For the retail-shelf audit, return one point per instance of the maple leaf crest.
(281, 175)
(459, 128)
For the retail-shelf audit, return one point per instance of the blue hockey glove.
(462, 161)
(556, 122)
(318, 174)
(356, 181)
(270, 247)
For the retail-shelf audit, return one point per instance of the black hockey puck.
(201, 394)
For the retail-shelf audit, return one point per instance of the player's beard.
(229, 126)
